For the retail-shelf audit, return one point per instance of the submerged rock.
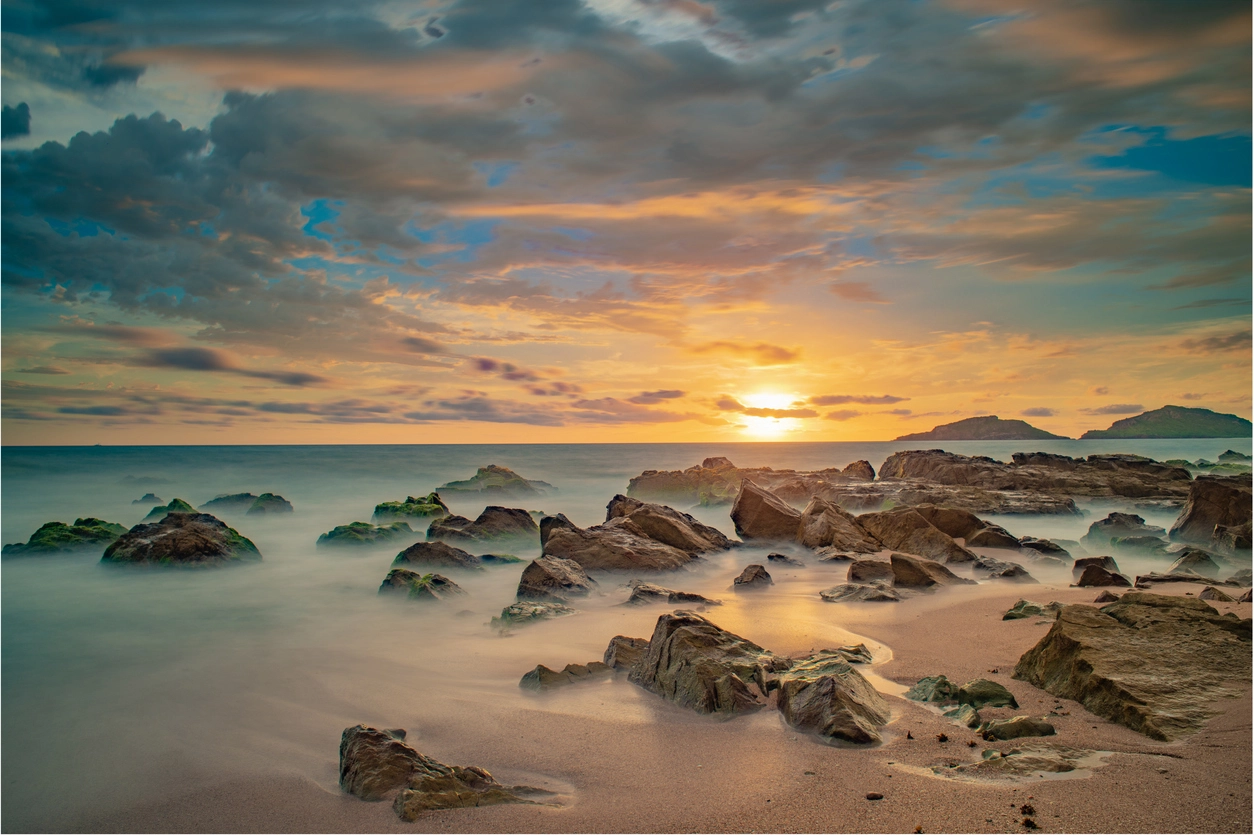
(876, 591)
(364, 533)
(905, 529)
(1001, 570)
(913, 572)
(1028, 609)
(760, 514)
(667, 525)
(753, 577)
(1044, 547)
(149, 499)
(617, 545)
(644, 593)
(524, 612)
(420, 586)
(824, 695)
(494, 524)
(1018, 763)
(430, 506)
(268, 504)
(58, 537)
(542, 678)
(493, 481)
(186, 539)
(554, 579)
(1151, 662)
(1149, 546)
(984, 693)
(623, 652)
(437, 555)
(1117, 525)
(1016, 727)
(1197, 561)
(230, 502)
(783, 559)
(175, 506)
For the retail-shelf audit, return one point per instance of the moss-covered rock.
(364, 533)
(417, 586)
(268, 504)
(230, 502)
(430, 506)
(182, 539)
(517, 614)
(497, 481)
(175, 506)
(58, 537)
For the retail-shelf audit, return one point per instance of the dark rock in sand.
(497, 482)
(824, 695)
(1001, 570)
(364, 533)
(623, 652)
(57, 537)
(1096, 576)
(864, 571)
(1045, 547)
(667, 525)
(905, 529)
(1016, 727)
(1248, 597)
(524, 612)
(1028, 609)
(430, 506)
(1216, 502)
(1212, 593)
(753, 577)
(912, 572)
(875, 591)
(268, 504)
(933, 689)
(230, 503)
(185, 539)
(760, 514)
(175, 506)
(1117, 525)
(1154, 663)
(542, 678)
(965, 715)
(697, 665)
(1108, 563)
(643, 593)
(825, 524)
(617, 545)
(1106, 597)
(554, 579)
(1196, 560)
(429, 587)
(984, 693)
(493, 525)
(149, 499)
(782, 559)
(437, 555)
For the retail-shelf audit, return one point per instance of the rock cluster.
(184, 539)
(58, 537)
(494, 525)
(635, 536)
(430, 506)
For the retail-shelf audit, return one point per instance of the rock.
(961, 524)
(186, 539)
(524, 612)
(1232, 539)
(1106, 597)
(1095, 575)
(1248, 597)
(1212, 593)
(643, 593)
(824, 695)
(268, 504)
(1214, 501)
(1115, 525)
(58, 537)
(1244, 577)
(437, 555)
(668, 526)
(965, 715)
(1028, 609)
(1233, 457)
(230, 502)
(1154, 663)
(912, 572)
(1180, 575)
(984, 693)
(1197, 561)
(1108, 563)
(933, 689)
(430, 506)
(753, 577)
(905, 529)
(1016, 727)
(497, 482)
(1019, 763)
(175, 506)
(717, 463)
(493, 525)
(617, 545)
(697, 665)
(499, 559)
(993, 536)
(364, 533)
(854, 653)
(1044, 546)
(149, 499)
(863, 471)
(863, 571)
(623, 652)
(1000, 570)
(1150, 546)
(876, 591)
(825, 524)
(420, 586)
(555, 579)
(542, 678)
(781, 559)
(759, 514)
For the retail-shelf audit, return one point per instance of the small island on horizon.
(1167, 422)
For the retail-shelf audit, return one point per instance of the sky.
(299, 221)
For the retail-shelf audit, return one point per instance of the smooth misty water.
(122, 686)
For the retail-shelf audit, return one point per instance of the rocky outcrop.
(983, 428)
(617, 545)
(668, 526)
(1212, 593)
(912, 572)
(824, 695)
(175, 506)
(961, 524)
(57, 538)
(623, 652)
(905, 529)
(1217, 514)
(1180, 575)
(1096, 576)
(363, 533)
(1117, 525)
(182, 539)
(1151, 662)
(645, 593)
(554, 579)
(542, 678)
(421, 587)
(269, 504)
(527, 611)
(760, 514)
(430, 506)
(753, 577)
(864, 571)
(497, 482)
(494, 525)
(874, 591)
(826, 524)
(437, 555)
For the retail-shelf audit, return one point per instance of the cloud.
(1192, 396)
(1235, 341)
(483, 409)
(208, 359)
(1208, 276)
(43, 369)
(761, 353)
(842, 415)
(1039, 411)
(652, 398)
(731, 404)
(1099, 390)
(857, 291)
(421, 345)
(15, 121)
(864, 399)
(1116, 409)
(899, 412)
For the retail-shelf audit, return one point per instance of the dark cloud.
(1038, 411)
(421, 345)
(43, 369)
(107, 75)
(480, 408)
(208, 359)
(1235, 341)
(842, 414)
(15, 121)
(863, 399)
(652, 398)
(1116, 409)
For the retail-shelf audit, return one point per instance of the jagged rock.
(984, 693)
(1116, 525)
(717, 463)
(1016, 727)
(1197, 561)
(1044, 547)
(497, 482)
(494, 524)
(1212, 593)
(1028, 609)
(760, 514)
(912, 572)
(175, 506)
(854, 653)
(542, 678)
(1095, 575)
(1216, 502)
(1000, 570)
(364, 533)
(1233, 539)
(58, 537)
(753, 577)
(149, 499)
(993, 536)
(961, 524)
(268, 504)
(1150, 546)
(876, 591)
(437, 555)
(617, 545)
(185, 539)
(1107, 563)
(1106, 597)
(1248, 597)
(965, 715)
(782, 559)
(905, 529)
(429, 587)
(825, 524)
(697, 665)
(623, 652)
(229, 502)
(523, 612)
(430, 506)
(1151, 662)
(863, 471)
(824, 695)
(554, 579)
(668, 526)
(864, 571)
(642, 593)
(933, 689)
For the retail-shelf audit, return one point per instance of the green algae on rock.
(430, 506)
(175, 506)
(182, 539)
(364, 533)
(58, 537)
(420, 586)
(268, 504)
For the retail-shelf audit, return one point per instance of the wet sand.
(626, 761)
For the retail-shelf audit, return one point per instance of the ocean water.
(145, 683)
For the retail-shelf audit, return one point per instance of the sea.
(123, 687)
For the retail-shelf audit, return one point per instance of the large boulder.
(555, 579)
(183, 539)
(1214, 501)
(364, 533)
(700, 666)
(753, 577)
(497, 482)
(1107, 563)
(961, 524)
(1154, 663)
(57, 537)
(1095, 576)
(430, 506)
(437, 555)
(824, 695)
(827, 524)
(912, 572)
(905, 529)
(1117, 525)
(495, 524)
(1016, 727)
(760, 514)
(617, 545)
(623, 652)
(667, 525)
(985, 693)
(859, 471)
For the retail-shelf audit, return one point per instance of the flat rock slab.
(1151, 662)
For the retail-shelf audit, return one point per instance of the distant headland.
(1167, 422)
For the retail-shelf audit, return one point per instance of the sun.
(766, 426)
